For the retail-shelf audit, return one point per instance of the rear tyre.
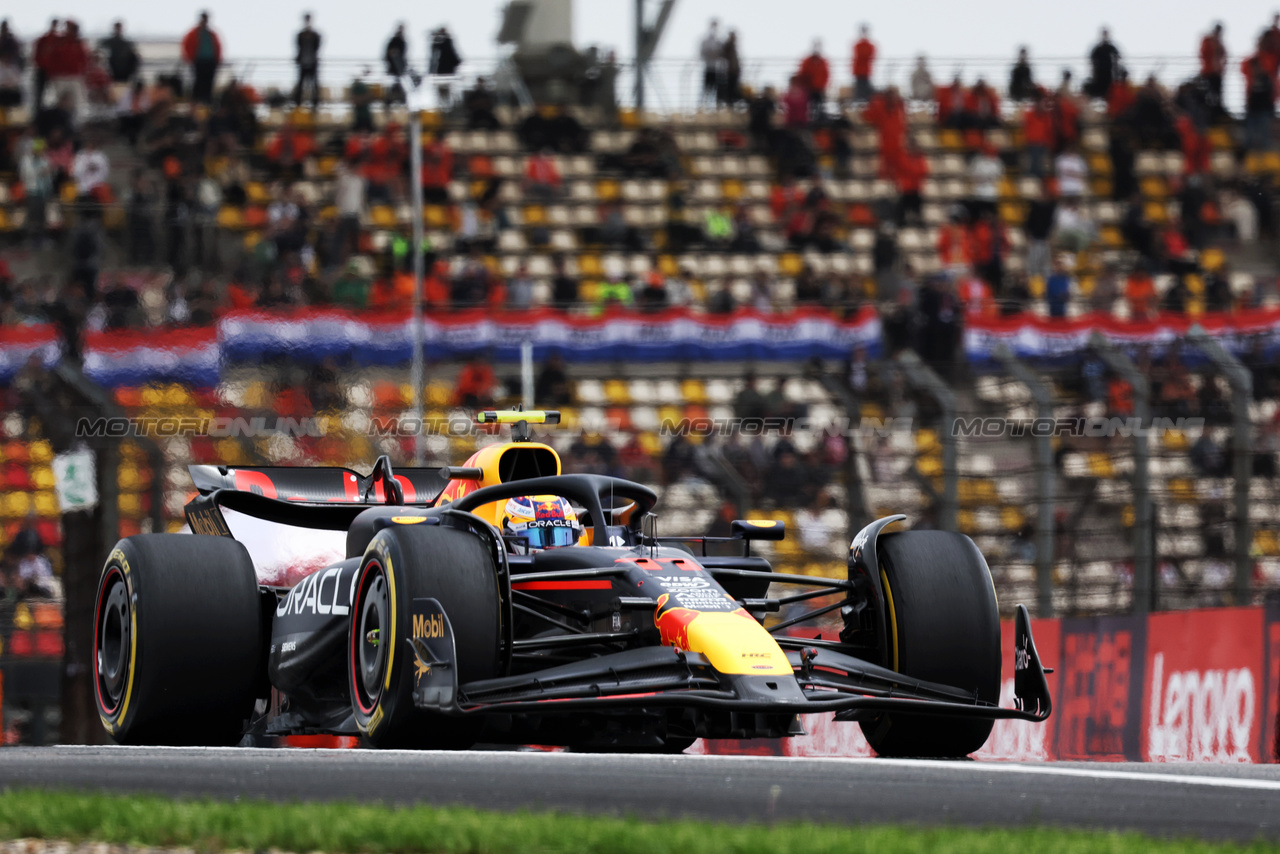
(944, 627)
(404, 562)
(177, 640)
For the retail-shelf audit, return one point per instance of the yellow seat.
(230, 217)
(40, 452)
(1212, 259)
(535, 215)
(1111, 236)
(439, 395)
(1266, 542)
(930, 466)
(790, 264)
(731, 189)
(382, 216)
(1175, 440)
(693, 391)
(967, 521)
(607, 190)
(1011, 519)
(257, 194)
(1153, 187)
(951, 138)
(1101, 466)
(1156, 212)
(927, 441)
(616, 393)
(589, 265)
(43, 477)
(15, 505)
(651, 443)
(46, 505)
(1183, 490)
(1012, 213)
(127, 478)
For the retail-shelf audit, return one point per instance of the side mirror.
(758, 529)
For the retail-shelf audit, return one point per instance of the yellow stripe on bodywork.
(133, 637)
(391, 648)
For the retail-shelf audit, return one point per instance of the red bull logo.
(673, 623)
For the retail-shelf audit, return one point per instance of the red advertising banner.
(1101, 681)
(1023, 741)
(1203, 693)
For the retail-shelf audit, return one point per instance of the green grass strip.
(356, 829)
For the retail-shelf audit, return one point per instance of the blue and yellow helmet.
(546, 521)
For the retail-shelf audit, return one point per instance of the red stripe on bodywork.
(603, 584)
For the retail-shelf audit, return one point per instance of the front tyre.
(944, 627)
(405, 562)
(177, 640)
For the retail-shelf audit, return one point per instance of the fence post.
(923, 378)
(1143, 530)
(856, 508)
(1046, 492)
(1241, 382)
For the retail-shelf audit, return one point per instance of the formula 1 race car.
(505, 602)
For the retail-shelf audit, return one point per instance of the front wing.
(826, 680)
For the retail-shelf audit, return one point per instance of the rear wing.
(321, 485)
(319, 498)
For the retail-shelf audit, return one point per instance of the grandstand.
(217, 217)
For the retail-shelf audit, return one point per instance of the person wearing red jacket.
(67, 62)
(815, 74)
(437, 171)
(1213, 60)
(864, 56)
(1039, 136)
(1195, 147)
(1122, 95)
(888, 115)
(983, 106)
(202, 50)
(912, 169)
(42, 58)
(951, 105)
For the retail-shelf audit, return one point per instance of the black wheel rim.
(113, 643)
(371, 644)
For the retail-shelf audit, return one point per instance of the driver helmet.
(546, 521)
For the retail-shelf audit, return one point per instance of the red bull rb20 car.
(505, 602)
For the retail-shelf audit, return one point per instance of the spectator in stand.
(1066, 115)
(202, 50)
(1022, 85)
(815, 74)
(1104, 63)
(921, 81)
(362, 103)
(122, 55)
(1038, 228)
(983, 106)
(711, 51)
(795, 105)
(1073, 230)
(443, 64)
(951, 105)
(476, 384)
(888, 115)
(975, 296)
(395, 58)
(41, 58)
(1140, 294)
(953, 239)
(349, 198)
(1259, 103)
(437, 171)
(985, 172)
(1122, 96)
(91, 171)
(864, 57)
(1058, 287)
(70, 63)
(564, 287)
(307, 58)
(11, 64)
(910, 174)
(1072, 172)
(730, 91)
(990, 243)
(542, 181)
(1213, 61)
(1038, 133)
(36, 175)
(552, 386)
